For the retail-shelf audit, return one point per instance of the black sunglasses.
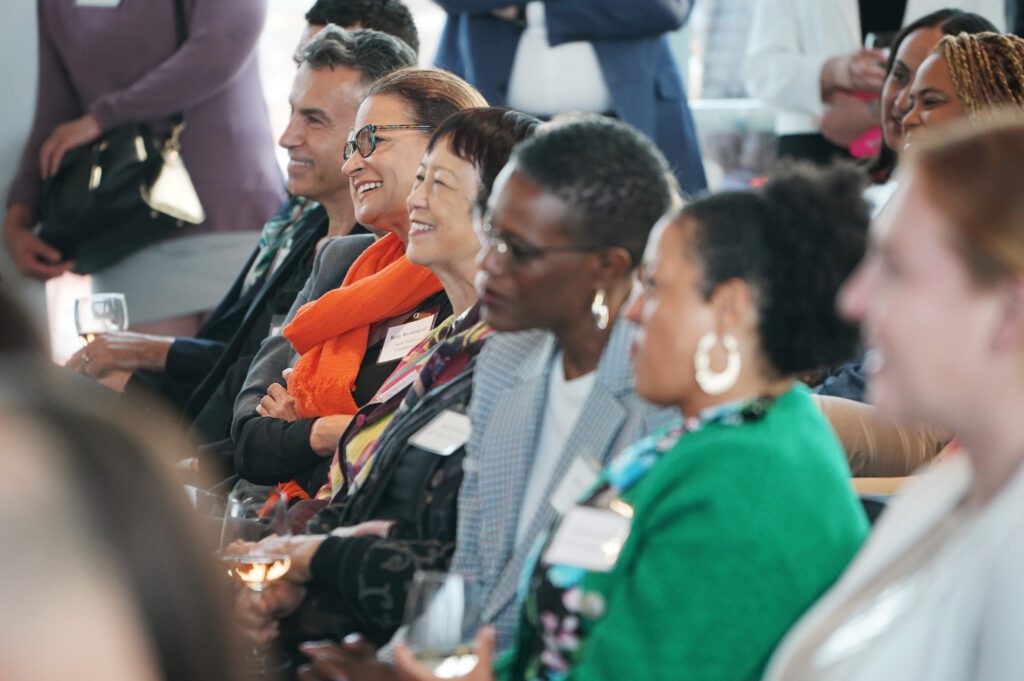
(365, 139)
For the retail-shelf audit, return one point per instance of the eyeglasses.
(518, 253)
(365, 139)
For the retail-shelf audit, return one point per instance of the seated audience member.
(910, 47)
(337, 68)
(966, 76)
(936, 592)
(387, 16)
(406, 508)
(342, 342)
(553, 392)
(745, 499)
(318, 205)
(806, 59)
(103, 575)
(987, 72)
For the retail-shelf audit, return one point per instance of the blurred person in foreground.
(103, 572)
(936, 592)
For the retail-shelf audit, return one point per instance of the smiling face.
(323, 104)
(895, 99)
(932, 328)
(381, 183)
(550, 291)
(933, 99)
(441, 211)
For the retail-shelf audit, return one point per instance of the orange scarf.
(331, 333)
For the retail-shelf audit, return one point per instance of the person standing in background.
(590, 56)
(103, 63)
(805, 59)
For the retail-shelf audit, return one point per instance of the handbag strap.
(181, 30)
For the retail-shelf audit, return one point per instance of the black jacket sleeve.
(369, 578)
(270, 450)
(190, 359)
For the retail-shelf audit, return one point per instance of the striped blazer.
(507, 412)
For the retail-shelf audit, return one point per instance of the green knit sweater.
(736, 531)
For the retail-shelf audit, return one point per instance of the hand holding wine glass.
(411, 666)
(255, 513)
(436, 644)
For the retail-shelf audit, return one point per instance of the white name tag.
(403, 338)
(443, 436)
(577, 481)
(384, 396)
(588, 538)
(97, 3)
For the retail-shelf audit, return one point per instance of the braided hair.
(987, 70)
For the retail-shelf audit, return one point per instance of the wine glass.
(254, 513)
(435, 615)
(100, 313)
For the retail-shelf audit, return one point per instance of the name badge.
(97, 3)
(277, 323)
(403, 338)
(577, 482)
(385, 395)
(445, 433)
(588, 538)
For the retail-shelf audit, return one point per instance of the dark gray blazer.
(277, 354)
(507, 411)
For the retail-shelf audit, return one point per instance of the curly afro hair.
(615, 179)
(794, 241)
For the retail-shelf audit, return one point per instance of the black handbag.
(122, 192)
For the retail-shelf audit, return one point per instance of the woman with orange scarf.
(352, 338)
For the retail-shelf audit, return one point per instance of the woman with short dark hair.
(699, 546)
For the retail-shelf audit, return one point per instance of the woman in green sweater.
(701, 545)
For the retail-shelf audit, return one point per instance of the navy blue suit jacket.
(632, 48)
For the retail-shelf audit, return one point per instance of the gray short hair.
(372, 53)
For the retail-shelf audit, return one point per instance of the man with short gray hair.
(337, 67)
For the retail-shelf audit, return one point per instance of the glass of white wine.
(100, 313)
(435, 617)
(254, 513)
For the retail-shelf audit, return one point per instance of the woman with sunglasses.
(353, 337)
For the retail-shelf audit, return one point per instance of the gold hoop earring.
(716, 382)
